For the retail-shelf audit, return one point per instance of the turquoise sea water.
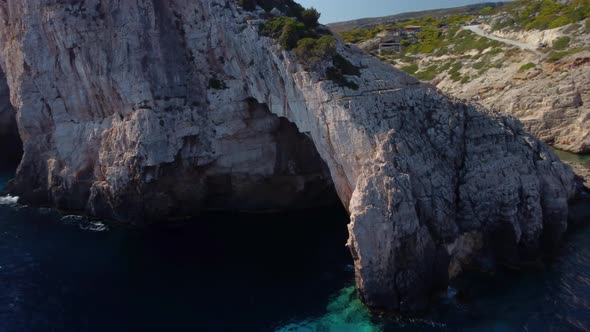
(283, 272)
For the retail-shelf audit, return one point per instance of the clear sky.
(344, 10)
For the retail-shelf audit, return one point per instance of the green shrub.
(455, 67)
(559, 22)
(482, 71)
(504, 23)
(547, 14)
(310, 51)
(452, 31)
(287, 31)
(455, 20)
(359, 35)
(466, 41)
(454, 72)
(407, 58)
(479, 65)
(411, 69)
(556, 56)
(340, 68)
(414, 48)
(441, 51)
(445, 66)
(465, 79)
(428, 74)
(487, 11)
(289, 7)
(495, 50)
(542, 14)
(430, 40)
(274, 27)
(405, 43)
(310, 17)
(561, 43)
(292, 9)
(526, 67)
(290, 35)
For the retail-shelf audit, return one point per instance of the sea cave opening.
(264, 269)
(11, 148)
(286, 264)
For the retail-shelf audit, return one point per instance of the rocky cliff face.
(552, 99)
(143, 110)
(547, 89)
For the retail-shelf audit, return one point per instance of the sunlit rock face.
(148, 110)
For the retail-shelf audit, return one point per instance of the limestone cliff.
(546, 88)
(551, 99)
(144, 110)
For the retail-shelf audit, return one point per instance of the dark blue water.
(247, 273)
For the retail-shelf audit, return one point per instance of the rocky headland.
(147, 110)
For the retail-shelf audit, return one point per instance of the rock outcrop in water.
(145, 110)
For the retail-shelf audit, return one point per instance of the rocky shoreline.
(582, 176)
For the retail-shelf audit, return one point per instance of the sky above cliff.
(344, 10)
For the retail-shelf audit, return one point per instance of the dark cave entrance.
(274, 263)
(11, 148)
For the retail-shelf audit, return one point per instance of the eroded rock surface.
(148, 109)
(551, 100)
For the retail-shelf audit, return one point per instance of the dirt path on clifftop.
(478, 31)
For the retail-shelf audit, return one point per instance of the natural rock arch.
(125, 103)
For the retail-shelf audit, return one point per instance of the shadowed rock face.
(10, 143)
(144, 110)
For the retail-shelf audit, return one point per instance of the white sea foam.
(73, 219)
(8, 200)
(94, 226)
(84, 223)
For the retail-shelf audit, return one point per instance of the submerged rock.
(146, 110)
